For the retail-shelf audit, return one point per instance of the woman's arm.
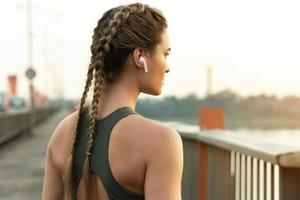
(57, 157)
(53, 184)
(165, 167)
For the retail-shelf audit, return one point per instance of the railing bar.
(203, 181)
(219, 174)
(231, 191)
(272, 181)
(211, 170)
(232, 163)
(276, 182)
(249, 169)
(268, 180)
(261, 180)
(237, 176)
(254, 179)
(243, 177)
(258, 179)
(265, 180)
(227, 174)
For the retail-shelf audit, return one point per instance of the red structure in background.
(11, 96)
(12, 85)
(209, 118)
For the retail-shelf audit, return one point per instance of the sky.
(253, 46)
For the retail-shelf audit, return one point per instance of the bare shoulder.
(157, 137)
(163, 150)
(60, 143)
(56, 158)
(64, 130)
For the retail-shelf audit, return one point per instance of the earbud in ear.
(143, 62)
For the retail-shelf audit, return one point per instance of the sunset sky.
(252, 45)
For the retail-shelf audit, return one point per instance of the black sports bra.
(99, 164)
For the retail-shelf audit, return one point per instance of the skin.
(145, 156)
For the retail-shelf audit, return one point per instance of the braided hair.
(119, 31)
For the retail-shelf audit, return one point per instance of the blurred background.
(241, 54)
(238, 56)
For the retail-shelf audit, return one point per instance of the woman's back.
(145, 157)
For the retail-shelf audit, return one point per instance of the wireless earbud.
(143, 62)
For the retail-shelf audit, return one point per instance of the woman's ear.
(136, 55)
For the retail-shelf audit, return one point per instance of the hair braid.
(103, 49)
(83, 98)
(91, 131)
(119, 18)
(68, 175)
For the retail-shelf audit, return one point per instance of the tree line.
(261, 111)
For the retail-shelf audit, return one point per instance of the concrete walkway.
(22, 162)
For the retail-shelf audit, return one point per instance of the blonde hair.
(119, 31)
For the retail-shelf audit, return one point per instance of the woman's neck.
(123, 93)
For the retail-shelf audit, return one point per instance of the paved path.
(22, 162)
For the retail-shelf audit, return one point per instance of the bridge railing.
(226, 165)
(13, 124)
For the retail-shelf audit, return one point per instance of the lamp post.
(30, 74)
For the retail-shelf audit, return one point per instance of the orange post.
(211, 118)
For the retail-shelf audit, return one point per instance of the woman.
(107, 150)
